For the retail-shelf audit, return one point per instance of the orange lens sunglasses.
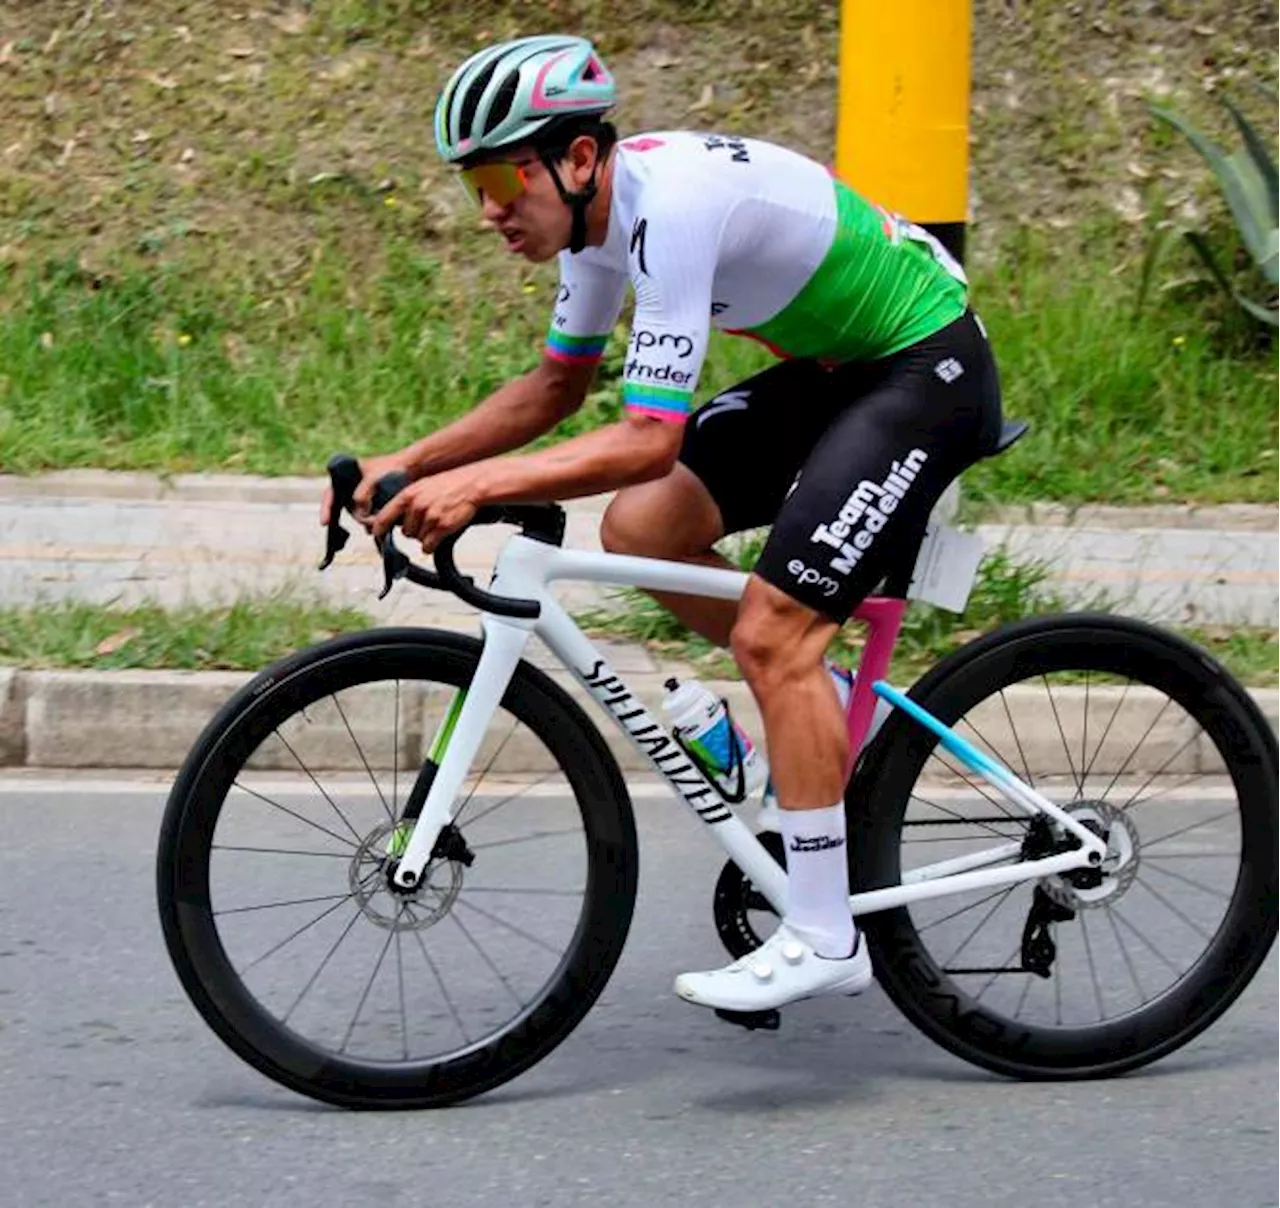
(502, 180)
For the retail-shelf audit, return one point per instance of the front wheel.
(1141, 737)
(275, 890)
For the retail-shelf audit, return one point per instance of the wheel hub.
(388, 905)
(1092, 887)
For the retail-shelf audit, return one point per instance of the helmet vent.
(502, 102)
(471, 102)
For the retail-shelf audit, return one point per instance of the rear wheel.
(274, 876)
(1146, 740)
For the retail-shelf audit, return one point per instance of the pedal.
(753, 1021)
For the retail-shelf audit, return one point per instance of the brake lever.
(344, 477)
(395, 565)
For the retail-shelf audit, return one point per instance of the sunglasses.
(501, 180)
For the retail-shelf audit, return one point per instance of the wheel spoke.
(986, 985)
(982, 922)
(288, 939)
(1000, 805)
(328, 956)
(1159, 770)
(404, 1013)
(1150, 843)
(522, 791)
(551, 834)
(1153, 864)
(1084, 729)
(551, 893)
(533, 939)
(1145, 734)
(395, 756)
(1133, 804)
(1102, 742)
(1093, 969)
(311, 776)
(281, 851)
(364, 997)
(284, 809)
(488, 960)
(955, 914)
(1124, 952)
(1148, 944)
(328, 897)
(1066, 746)
(457, 817)
(377, 788)
(1155, 893)
(444, 990)
(1013, 729)
(977, 786)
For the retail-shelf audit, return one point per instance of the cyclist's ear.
(581, 157)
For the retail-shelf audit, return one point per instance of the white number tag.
(946, 568)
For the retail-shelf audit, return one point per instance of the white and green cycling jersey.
(740, 234)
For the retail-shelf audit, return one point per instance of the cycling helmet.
(538, 90)
(517, 91)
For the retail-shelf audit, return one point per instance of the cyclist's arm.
(672, 270)
(588, 301)
(513, 415)
(636, 449)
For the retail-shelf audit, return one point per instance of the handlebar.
(539, 521)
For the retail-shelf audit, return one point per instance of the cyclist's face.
(519, 198)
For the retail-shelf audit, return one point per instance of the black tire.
(944, 996)
(283, 701)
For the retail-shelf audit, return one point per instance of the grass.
(244, 636)
(251, 633)
(1005, 591)
(157, 369)
(225, 242)
(1171, 400)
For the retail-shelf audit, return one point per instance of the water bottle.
(723, 750)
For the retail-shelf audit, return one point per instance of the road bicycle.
(1062, 840)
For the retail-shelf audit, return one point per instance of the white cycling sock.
(818, 879)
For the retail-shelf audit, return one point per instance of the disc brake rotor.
(1118, 868)
(368, 877)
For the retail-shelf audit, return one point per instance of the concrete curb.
(249, 488)
(68, 720)
(1224, 517)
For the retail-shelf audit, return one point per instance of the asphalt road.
(113, 1091)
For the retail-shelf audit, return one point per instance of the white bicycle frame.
(525, 568)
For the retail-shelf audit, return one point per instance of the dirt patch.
(243, 138)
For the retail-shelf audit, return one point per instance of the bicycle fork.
(457, 742)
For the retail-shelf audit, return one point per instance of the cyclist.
(885, 391)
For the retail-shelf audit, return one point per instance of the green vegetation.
(1005, 591)
(162, 371)
(245, 636)
(1251, 188)
(225, 242)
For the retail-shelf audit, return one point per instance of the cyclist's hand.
(371, 469)
(432, 508)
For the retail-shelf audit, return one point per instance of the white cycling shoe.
(783, 969)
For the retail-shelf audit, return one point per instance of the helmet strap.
(577, 202)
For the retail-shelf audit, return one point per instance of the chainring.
(735, 896)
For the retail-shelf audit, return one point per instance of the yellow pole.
(902, 134)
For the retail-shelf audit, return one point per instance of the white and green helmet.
(512, 92)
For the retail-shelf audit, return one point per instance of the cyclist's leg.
(741, 452)
(675, 518)
(910, 424)
(916, 420)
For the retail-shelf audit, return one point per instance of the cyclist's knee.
(777, 640)
(673, 517)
